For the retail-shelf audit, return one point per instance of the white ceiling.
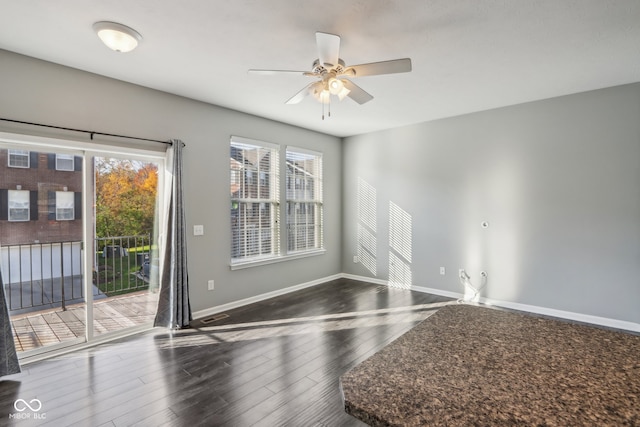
(468, 55)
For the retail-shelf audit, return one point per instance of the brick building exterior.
(40, 197)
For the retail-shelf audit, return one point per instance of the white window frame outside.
(15, 154)
(304, 200)
(19, 202)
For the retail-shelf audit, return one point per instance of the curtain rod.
(91, 133)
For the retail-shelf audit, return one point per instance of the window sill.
(264, 261)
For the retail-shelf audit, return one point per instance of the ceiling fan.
(332, 74)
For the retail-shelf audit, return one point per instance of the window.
(304, 200)
(18, 158)
(18, 201)
(64, 162)
(254, 200)
(65, 210)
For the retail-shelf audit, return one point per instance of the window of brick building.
(18, 205)
(64, 162)
(65, 206)
(19, 158)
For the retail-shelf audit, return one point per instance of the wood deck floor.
(52, 326)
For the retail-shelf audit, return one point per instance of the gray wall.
(557, 180)
(38, 91)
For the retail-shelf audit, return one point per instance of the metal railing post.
(64, 305)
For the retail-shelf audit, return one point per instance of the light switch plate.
(198, 230)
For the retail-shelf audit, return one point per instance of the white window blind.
(18, 205)
(254, 200)
(304, 200)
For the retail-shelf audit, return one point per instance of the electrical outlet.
(443, 271)
(210, 285)
(356, 259)
(198, 230)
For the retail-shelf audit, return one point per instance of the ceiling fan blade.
(274, 72)
(377, 68)
(328, 49)
(356, 92)
(298, 97)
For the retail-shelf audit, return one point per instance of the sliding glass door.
(78, 241)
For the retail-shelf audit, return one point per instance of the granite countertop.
(467, 365)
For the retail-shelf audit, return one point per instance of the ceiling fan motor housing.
(320, 69)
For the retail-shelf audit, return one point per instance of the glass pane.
(254, 189)
(125, 252)
(40, 258)
(304, 201)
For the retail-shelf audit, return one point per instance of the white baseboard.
(562, 314)
(448, 294)
(568, 315)
(246, 301)
(364, 279)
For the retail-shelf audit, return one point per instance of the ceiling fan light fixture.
(335, 85)
(324, 96)
(117, 37)
(343, 93)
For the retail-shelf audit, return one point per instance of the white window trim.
(9, 206)
(67, 157)
(18, 166)
(281, 204)
(239, 265)
(249, 141)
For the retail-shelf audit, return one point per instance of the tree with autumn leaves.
(125, 197)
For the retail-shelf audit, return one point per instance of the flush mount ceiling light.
(116, 36)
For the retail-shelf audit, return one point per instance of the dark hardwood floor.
(273, 363)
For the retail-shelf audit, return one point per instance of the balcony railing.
(49, 275)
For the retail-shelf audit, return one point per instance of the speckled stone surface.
(475, 366)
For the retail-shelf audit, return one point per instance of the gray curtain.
(174, 310)
(8, 358)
